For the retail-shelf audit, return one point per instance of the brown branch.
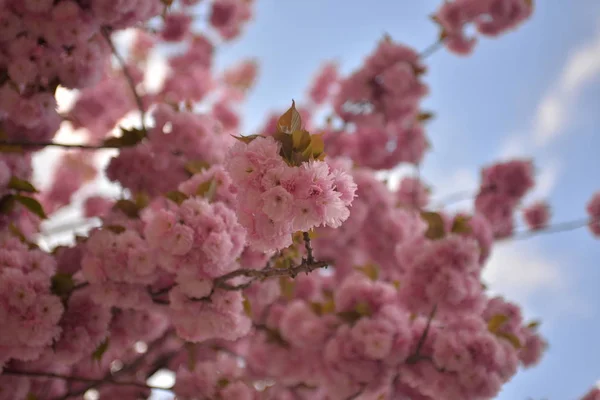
(134, 365)
(106, 31)
(307, 245)
(54, 144)
(254, 275)
(52, 375)
(554, 228)
(432, 48)
(416, 356)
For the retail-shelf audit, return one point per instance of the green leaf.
(370, 270)
(7, 204)
(300, 140)
(62, 284)
(7, 148)
(425, 116)
(10, 148)
(496, 322)
(361, 309)
(246, 139)
(534, 324)
(115, 228)
(195, 167)
(435, 222)
(287, 287)
(127, 207)
(290, 121)
(17, 232)
(141, 200)
(461, 224)
(274, 336)
(221, 383)
(21, 185)
(513, 339)
(100, 350)
(177, 197)
(128, 138)
(192, 355)
(247, 307)
(207, 189)
(32, 205)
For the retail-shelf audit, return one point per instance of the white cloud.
(545, 181)
(581, 68)
(518, 270)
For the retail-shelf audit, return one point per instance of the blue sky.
(532, 92)
(535, 92)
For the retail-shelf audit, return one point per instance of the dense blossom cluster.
(537, 215)
(29, 311)
(593, 209)
(275, 266)
(379, 104)
(279, 199)
(490, 18)
(503, 186)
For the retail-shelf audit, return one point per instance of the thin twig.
(54, 144)
(256, 274)
(417, 354)
(307, 245)
(52, 375)
(554, 228)
(138, 100)
(432, 48)
(127, 368)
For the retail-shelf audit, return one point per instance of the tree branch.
(108, 377)
(554, 228)
(269, 272)
(416, 356)
(138, 100)
(307, 245)
(432, 48)
(23, 144)
(96, 382)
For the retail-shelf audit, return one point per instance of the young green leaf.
(435, 224)
(100, 350)
(290, 121)
(21, 185)
(31, 204)
(177, 197)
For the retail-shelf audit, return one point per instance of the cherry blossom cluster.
(45, 44)
(30, 312)
(250, 266)
(15, 168)
(178, 138)
(360, 339)
(380, 106)
(278, 197)
(593, 209)
(503, 186)
(490, 18)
